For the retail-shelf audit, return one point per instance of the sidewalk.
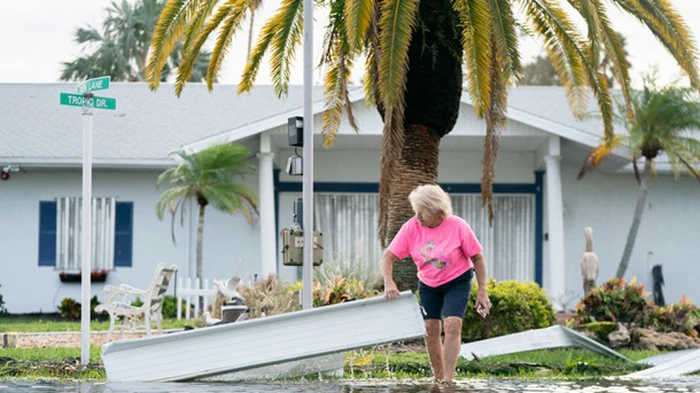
(61, 339)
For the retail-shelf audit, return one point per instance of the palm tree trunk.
(638, 211)
(418, 165)
(200, 235)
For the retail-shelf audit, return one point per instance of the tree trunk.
(418, 165)
(200, 235)
(638, 211)
(433, 93)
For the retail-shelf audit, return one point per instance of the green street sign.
(94, 84)
(94, 102)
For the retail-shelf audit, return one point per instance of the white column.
(268, 243)
(555, 221)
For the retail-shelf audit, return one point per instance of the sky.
(37, 35)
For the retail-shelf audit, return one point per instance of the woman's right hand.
(391, 291)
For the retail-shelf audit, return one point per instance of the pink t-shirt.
(442, 253)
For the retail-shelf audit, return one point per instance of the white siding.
(228, 240)
(670, 228)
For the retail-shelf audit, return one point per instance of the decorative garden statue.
(589, 264)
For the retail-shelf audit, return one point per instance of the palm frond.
(495, 124)
(184, 71)
(392, 143)
(336, 93)
(600, 29)
(230, 26)
(506, 37)
(290, 22)
(171, 26)
(552, 22)
(358, 17)
(398, 19)
(267, 32)
(670, 29)
(201, 14)
(370, 80)
(558, 38)
(475, 21)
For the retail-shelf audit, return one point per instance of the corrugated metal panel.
(265, 341)
(676, 367)
(552, 337)
(69, 213)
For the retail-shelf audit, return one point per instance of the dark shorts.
(449, 299)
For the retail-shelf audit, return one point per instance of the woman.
(447, 254)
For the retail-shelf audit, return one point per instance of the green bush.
(616, 301)
(515, 307)
(71, 310)
(169, 306)
(675, 318)
(628, 303)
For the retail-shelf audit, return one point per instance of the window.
(60, 233)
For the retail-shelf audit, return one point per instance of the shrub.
(675, 318)
(616, 301)
(169, 306)
(515, 307)
(270, 296)
(340, 290)
(3, 310)
(69, 309)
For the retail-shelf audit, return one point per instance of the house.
(541, 209)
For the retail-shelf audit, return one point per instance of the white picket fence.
(191, 295)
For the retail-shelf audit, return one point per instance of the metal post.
(87, 233)
(308, 182)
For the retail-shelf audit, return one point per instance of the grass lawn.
(557, 363)
(29, 325)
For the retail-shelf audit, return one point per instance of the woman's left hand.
(483, 304)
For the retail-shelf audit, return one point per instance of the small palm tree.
(663, 121)
(208, 177)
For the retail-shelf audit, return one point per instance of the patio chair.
(132, 317)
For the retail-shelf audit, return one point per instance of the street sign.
(94, 102)
(94, 84)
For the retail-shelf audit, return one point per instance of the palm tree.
(414, 51)
(121, 50)
(662, 122)
(208, 177)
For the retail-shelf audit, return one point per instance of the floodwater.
(374, 386)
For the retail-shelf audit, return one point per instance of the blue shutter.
(47, 233)
(123, 234)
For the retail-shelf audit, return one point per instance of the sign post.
(308, 162)
(87, 101)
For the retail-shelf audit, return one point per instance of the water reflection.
(391, 386)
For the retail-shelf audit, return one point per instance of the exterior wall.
(362, 166)
(26, 287)
(669, 229)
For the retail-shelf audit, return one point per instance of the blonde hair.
(431, 199)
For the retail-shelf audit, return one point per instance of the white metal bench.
(135, 318)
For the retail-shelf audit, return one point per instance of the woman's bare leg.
(453, 343)
(434, 343)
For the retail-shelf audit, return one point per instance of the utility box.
(293, 247)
